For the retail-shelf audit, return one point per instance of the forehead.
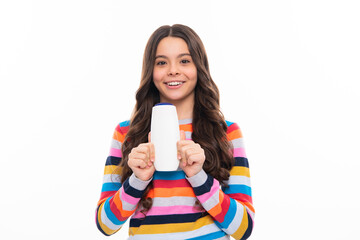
(172, 46)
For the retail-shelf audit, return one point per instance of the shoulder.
(233, 130)
(231, 126)
(123, 127)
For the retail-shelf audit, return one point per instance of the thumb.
(182, 135)
(152, 148)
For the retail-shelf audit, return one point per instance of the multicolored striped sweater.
(174, 213)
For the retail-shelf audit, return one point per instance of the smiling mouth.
(175, 83)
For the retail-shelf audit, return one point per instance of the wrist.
(197, 179)
(138, 183)
(141, 179)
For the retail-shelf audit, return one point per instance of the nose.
(173, 71)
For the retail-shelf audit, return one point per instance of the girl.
(209, 197)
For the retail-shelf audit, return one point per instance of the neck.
(184, 108)
(184, 111)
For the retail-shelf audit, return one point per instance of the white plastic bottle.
(164, 135)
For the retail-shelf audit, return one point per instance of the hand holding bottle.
(191, 156)
(141, 160)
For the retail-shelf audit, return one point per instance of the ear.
(149, 137)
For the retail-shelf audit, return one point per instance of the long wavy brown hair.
(209, 126)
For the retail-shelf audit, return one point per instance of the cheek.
(192, 74)
(157, 75)
(156, 79)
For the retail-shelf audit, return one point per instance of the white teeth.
(174, 83)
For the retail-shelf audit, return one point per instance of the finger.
(132, 162)
(181, 153)
(183, 162)
(195, 158)
(178, 146)
(142, 164)
(152, 152)
(182, 135)
(139, 163)
(182, 143)
(178, 151)
(189, 151)
(191, 160)
(145, 149)
(139, 155)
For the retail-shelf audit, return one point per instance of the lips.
(174, 83)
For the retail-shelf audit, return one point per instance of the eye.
(185, 61)
(161, 63)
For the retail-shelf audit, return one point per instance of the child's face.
(174, 73)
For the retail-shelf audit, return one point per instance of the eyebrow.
(179, 56)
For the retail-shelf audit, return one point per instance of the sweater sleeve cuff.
(137, 183)
(198, 179)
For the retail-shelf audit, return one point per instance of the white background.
(288, 73)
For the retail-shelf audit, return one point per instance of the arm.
(118, 201)
(231, 207)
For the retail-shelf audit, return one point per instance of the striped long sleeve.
(230, 207)
(118, 201)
